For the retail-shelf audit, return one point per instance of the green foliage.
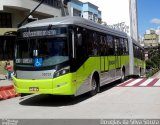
(152, 72)
(149, 64)
(153, 63)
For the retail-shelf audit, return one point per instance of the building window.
(5, 20)
(76, 12)
(7, 47)
(53, 3)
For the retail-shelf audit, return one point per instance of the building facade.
(86, 10)
(12, 12)
(151, 38)
(158, 33)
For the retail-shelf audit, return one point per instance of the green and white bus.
(72, 56)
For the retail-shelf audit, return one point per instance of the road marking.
(140, 82)
(146, 82)
(134, 82)
(157, 83)
(126, 82)
(151, 82)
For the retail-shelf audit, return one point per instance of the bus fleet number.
(46, 74)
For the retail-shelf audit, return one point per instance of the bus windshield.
(52, 51)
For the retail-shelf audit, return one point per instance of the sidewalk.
(5, 83)
(2, 77)
(157, 75)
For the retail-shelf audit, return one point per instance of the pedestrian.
(9, 69)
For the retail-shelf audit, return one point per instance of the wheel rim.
(123, 76)
(94, 85)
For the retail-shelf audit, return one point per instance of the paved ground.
(113, 102)
(4, 81)
(136, 99)
(157, 75)
(2, 77)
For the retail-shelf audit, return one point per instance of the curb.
(7, 92)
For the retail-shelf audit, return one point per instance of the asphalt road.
(112, 102)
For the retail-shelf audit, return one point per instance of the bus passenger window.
(92, 48)
(81, 40)
(122, 47)
(103, 46)
(110, 45)
(126, 46)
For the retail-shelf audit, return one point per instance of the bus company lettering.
(39, 33)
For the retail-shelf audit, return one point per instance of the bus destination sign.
(40, 33)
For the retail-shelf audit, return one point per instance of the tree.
(154, 57)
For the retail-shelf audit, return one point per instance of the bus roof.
(74, 20)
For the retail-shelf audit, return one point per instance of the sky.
(148, 13)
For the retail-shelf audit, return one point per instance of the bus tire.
(95, 87)
(24, 94)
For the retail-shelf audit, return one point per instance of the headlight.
(62, 72)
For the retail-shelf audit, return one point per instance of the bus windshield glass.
(51, 51)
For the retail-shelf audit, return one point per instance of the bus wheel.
(24, 94)
(95, 87)
(123, 76)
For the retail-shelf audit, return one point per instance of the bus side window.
(81, 40)
(122, 47)
(103, 46)
(126, 46)
(98, 48)
(117, 46)
(94, 46)
(106, 46)
(110, 45)
(78, 42)
(89, 43)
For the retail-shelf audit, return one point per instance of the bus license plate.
(33, 89)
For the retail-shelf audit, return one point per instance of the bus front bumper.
(62, 85)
